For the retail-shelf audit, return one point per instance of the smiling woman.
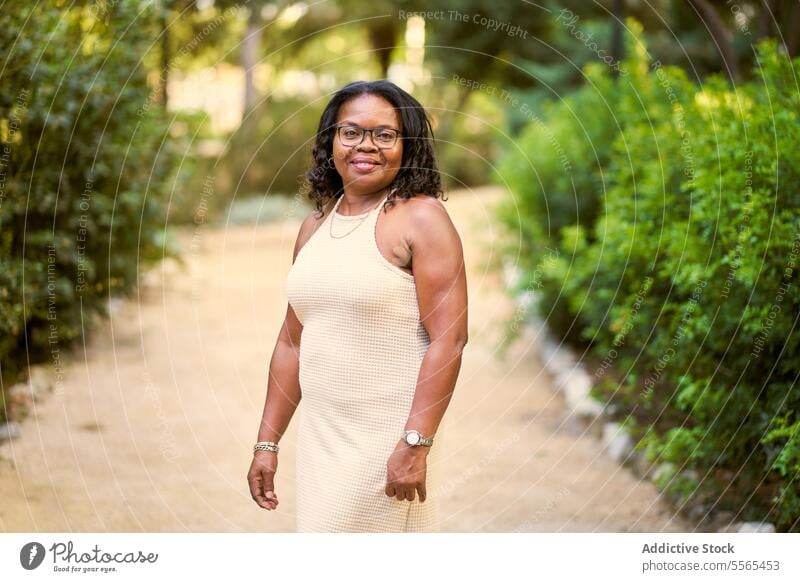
(381, 308)
(392, 108)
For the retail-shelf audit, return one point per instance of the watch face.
(412, 438)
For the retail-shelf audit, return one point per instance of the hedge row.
(660, 223)
(84, 172)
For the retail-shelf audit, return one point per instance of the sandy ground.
(152, 427)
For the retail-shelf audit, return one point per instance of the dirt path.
(153, 425)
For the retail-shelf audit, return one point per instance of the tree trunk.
(382, 39)
(250, 49)
(165, 54)
(793, 29)
(721, 35)
(765, 19)
(617, 47)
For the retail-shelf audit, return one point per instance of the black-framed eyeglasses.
(353, 135)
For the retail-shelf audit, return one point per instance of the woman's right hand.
(261, 478)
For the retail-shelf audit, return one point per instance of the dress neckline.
(353, 216)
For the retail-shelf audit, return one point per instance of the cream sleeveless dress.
(361, 349)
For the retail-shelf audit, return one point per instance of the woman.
(377, 291)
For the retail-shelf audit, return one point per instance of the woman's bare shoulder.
(421, 204)
(426, 208)
(430, 219)
(309, 226)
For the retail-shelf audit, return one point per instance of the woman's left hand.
(406, 472)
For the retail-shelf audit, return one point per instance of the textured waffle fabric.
(360, 354)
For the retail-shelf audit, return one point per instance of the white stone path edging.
(570, 376)
(574, 382)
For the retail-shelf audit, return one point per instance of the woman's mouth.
(363, 165)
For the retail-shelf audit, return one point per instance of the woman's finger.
(254, 482)
(259, 494)
(268, 488)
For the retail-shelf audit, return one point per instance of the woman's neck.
(360, 203)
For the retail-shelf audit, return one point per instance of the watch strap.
(423, 440)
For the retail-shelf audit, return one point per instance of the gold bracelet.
(266, 446)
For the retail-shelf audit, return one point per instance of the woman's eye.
(350, 133)
(386, 136)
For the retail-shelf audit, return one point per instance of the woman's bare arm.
(439, 273)
(283, 392)
(283, 385)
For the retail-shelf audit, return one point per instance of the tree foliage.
(84, 175)
(676, 248)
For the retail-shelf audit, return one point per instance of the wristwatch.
(414, 438)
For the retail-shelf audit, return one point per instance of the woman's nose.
(370, 145)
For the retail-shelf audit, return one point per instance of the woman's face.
(366, 168)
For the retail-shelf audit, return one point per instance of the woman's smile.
(365, 168)
(364, 164)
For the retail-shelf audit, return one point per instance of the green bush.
(555, 173)
(682, 273)
(201, 193)
(271, 150)
(84, 173)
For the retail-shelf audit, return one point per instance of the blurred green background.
(649, 151)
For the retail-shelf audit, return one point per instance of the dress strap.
(382, 202)
(373, 216)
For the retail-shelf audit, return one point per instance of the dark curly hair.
(418, 173)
